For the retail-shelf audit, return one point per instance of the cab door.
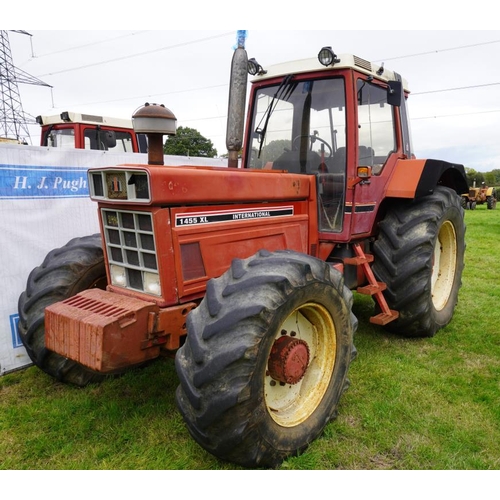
(377, 149)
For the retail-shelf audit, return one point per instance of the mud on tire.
(232, 405)
(66, 271)
(419, 254)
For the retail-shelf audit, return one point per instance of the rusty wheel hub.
(288, 360)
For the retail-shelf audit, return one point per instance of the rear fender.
(417, 178)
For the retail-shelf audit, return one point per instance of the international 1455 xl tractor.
(246, 272)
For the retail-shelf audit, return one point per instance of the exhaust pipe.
(237, 100)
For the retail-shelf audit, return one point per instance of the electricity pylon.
(13, 120)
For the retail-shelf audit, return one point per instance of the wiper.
(284, 91)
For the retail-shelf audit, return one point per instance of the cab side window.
(376, 129)
(105, 140)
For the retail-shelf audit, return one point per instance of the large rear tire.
(266, 358)
(491, 201)
(419, 254)
(66, 271)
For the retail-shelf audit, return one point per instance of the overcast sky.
(454, 77)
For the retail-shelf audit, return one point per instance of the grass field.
(413, 404)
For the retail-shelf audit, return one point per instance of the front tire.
(419, 254)
(66, 271)
(266, 358)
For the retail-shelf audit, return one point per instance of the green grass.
(413, 404)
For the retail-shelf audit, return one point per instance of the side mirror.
(110, 138)
(395, 93)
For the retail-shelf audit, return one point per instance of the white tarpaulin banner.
(44, 203)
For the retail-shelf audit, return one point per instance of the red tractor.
(69, 130)
(246, 272)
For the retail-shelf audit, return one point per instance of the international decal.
(213, 217)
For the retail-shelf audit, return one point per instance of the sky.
(453, 76)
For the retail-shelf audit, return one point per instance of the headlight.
(152, 283)
(118, 276)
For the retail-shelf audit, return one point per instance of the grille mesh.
(130, 244)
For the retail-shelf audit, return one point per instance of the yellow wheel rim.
(291, 404)
(444, 266)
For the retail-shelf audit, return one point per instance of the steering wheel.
(314, 138)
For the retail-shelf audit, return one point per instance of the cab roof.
(346, 61)
(74, 117)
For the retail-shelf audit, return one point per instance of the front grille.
(130, 245)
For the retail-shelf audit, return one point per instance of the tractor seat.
(289, 160)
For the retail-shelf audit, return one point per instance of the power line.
(183, 44)
(228, 33)
(149, 96)
(451, 115)
(225, 85)
(90, 44)
(437, 51)
(455, 88)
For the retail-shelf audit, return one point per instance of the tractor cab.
(322, 119)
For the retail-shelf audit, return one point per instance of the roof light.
(254, 68)
(327, 57)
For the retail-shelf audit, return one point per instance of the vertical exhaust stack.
(237, 100)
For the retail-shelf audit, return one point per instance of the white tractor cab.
(71, 130)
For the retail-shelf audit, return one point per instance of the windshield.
(301, 127)
(304, 118)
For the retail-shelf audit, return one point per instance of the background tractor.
(246, 273)
(479, 196)
(69, 130)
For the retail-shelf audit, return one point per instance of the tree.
(472, 176)
(189, 142)
(493, 177)
(489, 178)
(275, 149)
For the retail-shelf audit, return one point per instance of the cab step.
(374, 287)
(384, 318)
